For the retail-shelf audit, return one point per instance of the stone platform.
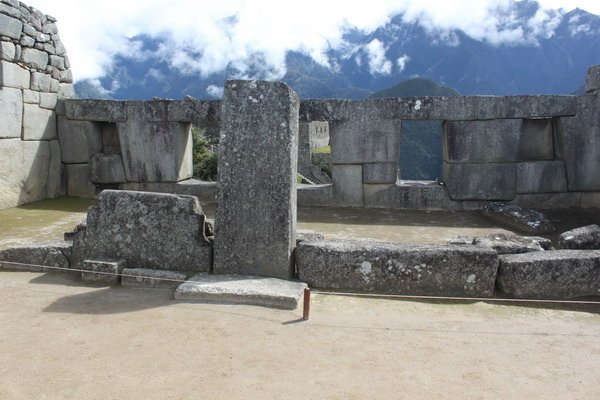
(241, 289)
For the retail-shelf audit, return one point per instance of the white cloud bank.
(207, 36)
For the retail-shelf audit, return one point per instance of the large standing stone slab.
(107, 168)
(79, 182)
(256, 217)
(148, 230)
(38, 123)
(365, 138)
(14, 76)
(537, 140)
(79, 140)
(11, 113)
(347, 184)
(560, 274)
(373, 267)
(493, 141)
(486, 181)
(541, 177)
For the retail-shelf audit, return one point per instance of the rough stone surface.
(24, 167)
(414, 195)
(79, 183)
(38, 123)
(373, 267)
(541, 177)
(523, 219)
(154, 151)
(43, 82)
(380, 173)
(558, 274)
(107, 168)
(36, 58)
(204, 113)
(584, 238)
(240, 289)
(257, 186)
(206, 192)
(494, 141)
(152, 278)
(96, 110)
(31, 97)
(79, 140)
(537, 140)
(508, 244)
(102, 272)
(592, 82)
(364, 138)
(489, 181)
(12, 75)
(315, 195)
(48, 100)
(578, 145)
(347, 187)
(10, 27)
(7, 51)
(11, 113)
(56, 184)
(54, 254)
(149, 230)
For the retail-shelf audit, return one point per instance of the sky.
(206, 36)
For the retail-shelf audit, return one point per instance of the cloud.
(215, 91)
(253, 36)
(402, 61)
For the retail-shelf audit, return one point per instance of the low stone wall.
(34, 77)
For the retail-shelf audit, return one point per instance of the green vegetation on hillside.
(204, 158)
(421, 141)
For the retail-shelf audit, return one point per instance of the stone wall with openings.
(35, 76)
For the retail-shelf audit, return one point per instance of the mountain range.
(552, 63)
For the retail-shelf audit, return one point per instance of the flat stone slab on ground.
(523, 219)
(55, 254)
(375, 267)
(241, 289)
(102, 272)
(584, 238)
(506, 244)
(555, 274)
(151, 278)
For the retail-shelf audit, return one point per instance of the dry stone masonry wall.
(35, 76)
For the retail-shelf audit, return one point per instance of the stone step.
(102, 272)
(241, 289)
(151, 278)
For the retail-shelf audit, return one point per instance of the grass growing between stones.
(322, 150)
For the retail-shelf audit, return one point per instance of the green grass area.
(322, 150)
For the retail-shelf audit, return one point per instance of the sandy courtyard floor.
(62, 340)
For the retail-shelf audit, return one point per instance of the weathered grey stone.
(107, 168)
(10, 27)
(10, 11)
(537, 140)
(24, 167)
(7, 51)
(240, 289)
(27, 41)
(508, 244)
(38, 123)
(258, 185)
(149, 230)
(347, 184)
(79, 140)
(102, 272)
(35, 58)
(43, 82)
(488, 181)
(584, 238)
(523, 219)
(66, 91)
(308, 237)
(414, 196)
(29, 30)
(31, 97)
(373, 267)
(11, 113)
(204, 113)
(592, 82)
(380, 173)
(96, 110)
(578, 145)
(304, 153)
(50, 256)
(57, 62)
(154, 151)
(59, 48)
(205, 191)
(79, 183)
(49, 28)
(315, 195)
(66, 76)
(481, 141)
(56, 184)
(558, 274)
(13, 76)
(541, 177)
(363, 139)
(48, 100)
(152, 278)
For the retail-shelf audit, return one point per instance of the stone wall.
(34, 78)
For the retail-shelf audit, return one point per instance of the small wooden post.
(306, 310)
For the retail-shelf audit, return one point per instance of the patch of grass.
(322, 150)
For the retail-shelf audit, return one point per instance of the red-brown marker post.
(306, 311)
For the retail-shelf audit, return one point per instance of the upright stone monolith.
(255, 223)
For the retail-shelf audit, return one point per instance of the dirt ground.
(62, 340)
